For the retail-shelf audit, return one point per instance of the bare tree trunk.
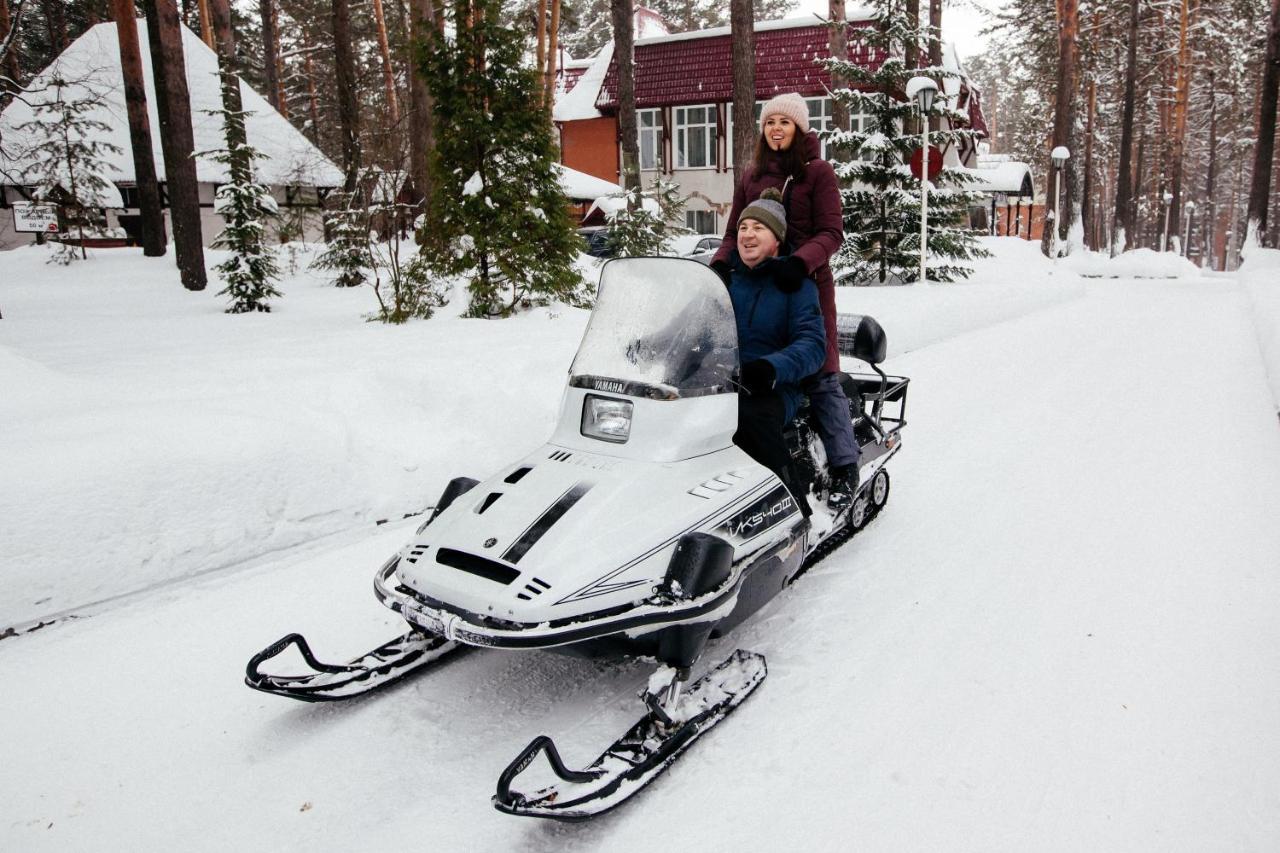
(743, 38)
(1122, 220)
(135, 98)
(225, 43)
(56, 21)
(11, 70)
(1264, 150)
(206, 23)
(1138, 175)
(553, 53)
(348, 109)
(313, 101)
(270, 60)
(422, 24)
(388, 76)
(173, 104)
(1208, 225)
(624, 54)
(1181, 99)
(911, 50)
(935, 49)
(838, 44)
(542, 44)
(1063, 121)
(1086, 190)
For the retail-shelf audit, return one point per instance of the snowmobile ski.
(385, 665)
(635, 759)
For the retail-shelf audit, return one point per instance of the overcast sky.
(961, 21)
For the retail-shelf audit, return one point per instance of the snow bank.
(148, 437)
(1260, 276)
(1016, 280)
(1135, 263)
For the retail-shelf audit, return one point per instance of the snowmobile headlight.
(606, 419)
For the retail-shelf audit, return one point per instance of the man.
(781, 337)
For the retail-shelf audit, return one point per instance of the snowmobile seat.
(861, 337)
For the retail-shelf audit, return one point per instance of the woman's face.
(779, 131)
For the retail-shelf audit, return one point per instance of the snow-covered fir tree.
(498, 214)
(346, 252)
(641, 223)
(881, 197)
(245, 206)
(69, 160)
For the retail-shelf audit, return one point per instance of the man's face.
(755, 242)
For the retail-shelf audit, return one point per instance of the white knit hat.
(790, 105)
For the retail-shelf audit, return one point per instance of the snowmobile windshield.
(662, 328)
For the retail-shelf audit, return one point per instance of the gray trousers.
(830, 409)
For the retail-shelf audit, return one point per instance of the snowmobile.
(639, 528)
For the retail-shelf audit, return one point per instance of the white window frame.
(680, 136)
(654, 132)
(690, 218)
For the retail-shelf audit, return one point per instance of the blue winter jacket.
(785, 329)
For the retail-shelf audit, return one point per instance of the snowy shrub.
(68, 162)
(640, 222)
(346, 254)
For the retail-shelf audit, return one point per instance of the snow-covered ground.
(182, 440)
(1061, 634)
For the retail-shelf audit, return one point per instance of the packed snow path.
(1062, 634)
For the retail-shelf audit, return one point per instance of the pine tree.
(347, 251)
(498, 214)
(244, 205)
(67, 159)
(881, 196)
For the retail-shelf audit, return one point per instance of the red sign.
(935, 162)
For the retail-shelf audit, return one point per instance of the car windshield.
(662, 328)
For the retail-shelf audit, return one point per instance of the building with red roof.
(684, 94)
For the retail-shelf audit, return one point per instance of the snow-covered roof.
(1001, 176)
(92, 64)
(580, 102)
(579, 186)
(610, 204)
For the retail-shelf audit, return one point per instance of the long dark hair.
(790, 159)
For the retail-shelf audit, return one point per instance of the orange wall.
(591, 146)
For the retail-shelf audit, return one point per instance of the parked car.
(597, 239)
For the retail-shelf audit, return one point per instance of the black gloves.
(721, 269)
(758, 376)
(789, 273)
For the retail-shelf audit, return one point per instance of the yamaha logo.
(490, 542)
(608, 385)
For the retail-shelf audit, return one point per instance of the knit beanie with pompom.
(768, 210)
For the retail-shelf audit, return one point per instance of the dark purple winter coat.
(815, 224)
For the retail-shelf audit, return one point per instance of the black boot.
(844, 485)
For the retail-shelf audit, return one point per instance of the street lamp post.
(1186, 238)
(1059, 156)
(922, 90)
(1168, 202)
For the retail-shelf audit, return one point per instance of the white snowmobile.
(638, 529)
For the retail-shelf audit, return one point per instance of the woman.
(788, 158)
